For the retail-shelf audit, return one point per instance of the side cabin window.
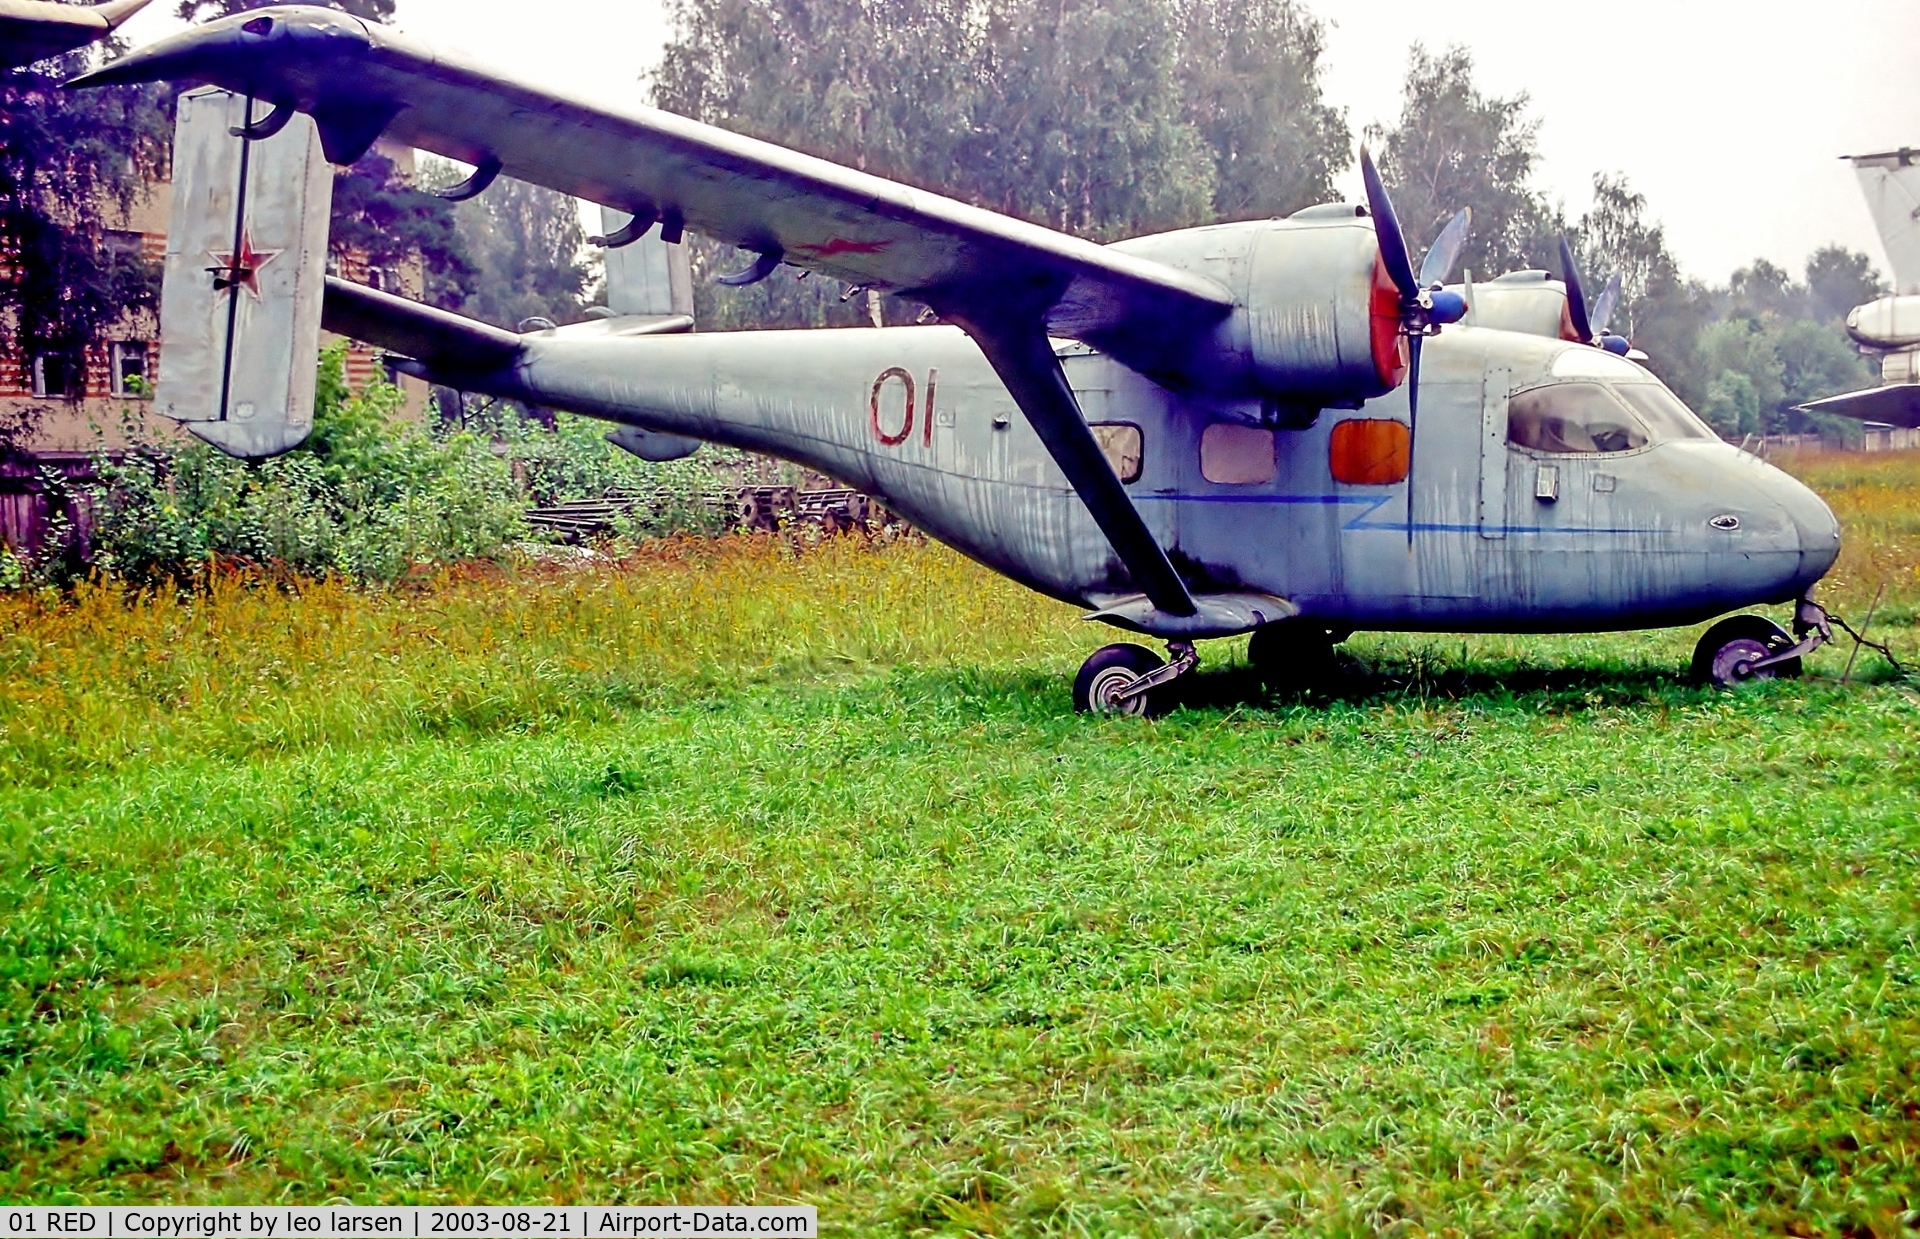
(1573, 418)
(1236, 455)
(1120, 443)
(1369, 451)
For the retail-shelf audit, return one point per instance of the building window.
(121, 244)
(56, 376)
(130, 369)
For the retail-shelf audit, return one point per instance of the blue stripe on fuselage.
(1373, 504)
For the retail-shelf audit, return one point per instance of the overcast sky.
(1728, 116)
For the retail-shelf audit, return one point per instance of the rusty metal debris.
(765, 508)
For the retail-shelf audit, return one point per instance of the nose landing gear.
(1131, 679)
(1752, 647)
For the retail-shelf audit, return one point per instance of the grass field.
(741, 873)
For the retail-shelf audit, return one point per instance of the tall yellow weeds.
(250, 666)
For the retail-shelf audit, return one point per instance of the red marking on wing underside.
(840, 245)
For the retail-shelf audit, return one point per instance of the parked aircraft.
(33, 30)
(1276, 427)
(1890, 326)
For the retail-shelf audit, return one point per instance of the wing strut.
(1023, 357)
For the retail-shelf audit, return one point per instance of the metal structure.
(1888, 328)
(1278, 427)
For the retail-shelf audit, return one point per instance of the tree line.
(1101, 118)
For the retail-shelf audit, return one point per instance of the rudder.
(240, 298)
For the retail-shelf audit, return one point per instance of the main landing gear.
(1289, 656)
(1753, 647)
(1295, 656)
(1131, 679)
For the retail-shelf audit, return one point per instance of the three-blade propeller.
(1591, 328)
(1425, 306)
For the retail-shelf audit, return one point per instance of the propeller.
(1438, 264)
(1423, 311)
(1604, 307)
(1576, 295)
(1592, 328)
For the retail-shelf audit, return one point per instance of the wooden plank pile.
(833, 509)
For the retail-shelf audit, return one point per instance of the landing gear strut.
(1753, 647)
(1131, 679)
(1294, 655)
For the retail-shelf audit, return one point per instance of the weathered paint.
(1629, 542)
(244, 271)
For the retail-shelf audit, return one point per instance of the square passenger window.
(1369, 451)
(1234, 455)
(1120, 444)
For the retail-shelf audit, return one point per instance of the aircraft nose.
(1818, 528)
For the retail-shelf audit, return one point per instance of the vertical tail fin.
(245, 271)
(1891, 184)
(648, 277)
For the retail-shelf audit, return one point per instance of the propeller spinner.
(1423, 310)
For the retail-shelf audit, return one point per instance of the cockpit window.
(1573, 417)
(1663, 412)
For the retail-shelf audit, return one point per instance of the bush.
(368, 495)
(573, 460)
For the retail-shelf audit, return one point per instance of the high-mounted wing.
(1010, 284)
(360, 81)
(33, 30)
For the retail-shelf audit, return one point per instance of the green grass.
(739, 874)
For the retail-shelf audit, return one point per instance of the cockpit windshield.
(1589, 417)
(1663, 411)
(1573, 417)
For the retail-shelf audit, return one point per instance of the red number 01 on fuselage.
(880, 394)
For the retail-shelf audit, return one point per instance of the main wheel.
(1730, 648)
(1108, 673)
(1291, 656)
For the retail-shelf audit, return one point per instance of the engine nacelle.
(1531, 302)
(1887, 324)
(1316, 321)
(1901, 366)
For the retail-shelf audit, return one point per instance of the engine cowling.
(1889, 323)
(1316, 320)
(1530, 302)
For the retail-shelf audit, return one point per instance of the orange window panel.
(1367, 451)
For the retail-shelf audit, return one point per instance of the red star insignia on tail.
(241, 269)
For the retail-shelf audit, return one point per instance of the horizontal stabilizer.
(1897, 404)
(447, 343)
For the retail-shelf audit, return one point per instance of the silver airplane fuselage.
(1503, 537)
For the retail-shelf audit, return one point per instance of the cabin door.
(1496, 458)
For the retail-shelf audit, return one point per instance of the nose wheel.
(1131, 679)
(1753, 647)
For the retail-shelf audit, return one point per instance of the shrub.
(368, 495)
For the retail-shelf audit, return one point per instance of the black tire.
(1293, 657)
(1110, 669)
(1729, 646)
